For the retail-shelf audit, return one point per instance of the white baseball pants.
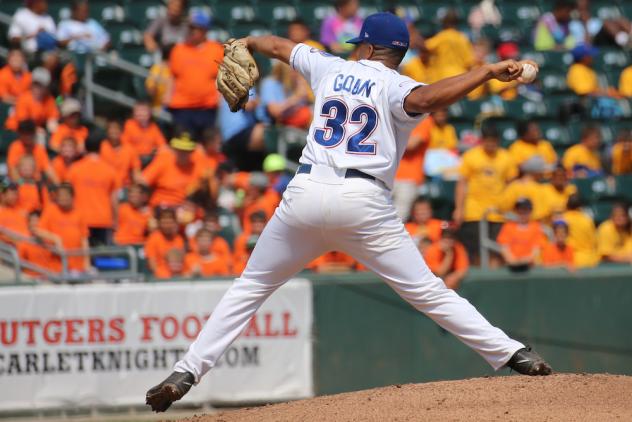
(323, 211)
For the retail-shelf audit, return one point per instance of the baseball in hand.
(528, 73)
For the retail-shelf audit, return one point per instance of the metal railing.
(10, 257)
(92, 88)
(486, 243)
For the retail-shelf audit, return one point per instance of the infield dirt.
(561, 397)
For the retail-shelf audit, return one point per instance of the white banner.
(105, 345)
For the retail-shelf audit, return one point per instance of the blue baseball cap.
(583, 50)
(200, 19)
(384, 29)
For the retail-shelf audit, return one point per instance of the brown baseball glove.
(237, 74)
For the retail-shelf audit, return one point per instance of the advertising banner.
(102, 345)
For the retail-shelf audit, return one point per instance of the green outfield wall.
(366, 336)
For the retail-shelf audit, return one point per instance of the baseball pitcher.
(340, 198)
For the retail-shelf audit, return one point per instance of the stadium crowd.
(195, 194)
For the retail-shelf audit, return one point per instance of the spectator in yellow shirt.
(528, 186)
(417, 67)
(484, 174)
(159, 81)
(625, 82)
(582, 234)
(582, 160)
(614, 236)
(442, 133)
(581, 78)
(558, 191)
(622, 153)
(451, 52)
(531, 144)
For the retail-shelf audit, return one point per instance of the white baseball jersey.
(359, 117)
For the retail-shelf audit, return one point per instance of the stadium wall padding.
(366, 336)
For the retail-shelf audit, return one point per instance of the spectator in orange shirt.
(13, 224)
(521, 240)
(15, 78)
(421, 223)
(256, 199)
(219, 245)
(123, 158)
(558, 253)
(63, 220)
(410, 173)
(36, 104)
(133, 217)
(176, 265)
(174, 176)
(244, 244)
(26, 145)
(70, 126)
(37, 250)
(194, 66)
(333, 262)
(447, 258)
(142, 133)
(96, 187)
(204, 262)
(33, 194)
(163, 239)
(209, 154)
(68, 154)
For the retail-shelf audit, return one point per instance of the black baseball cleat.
(172, 389)
(528, 362)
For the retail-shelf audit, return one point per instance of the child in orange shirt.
(37, 250)
(133, 217)
(68, 154)
(447, 258)
(162, 240)
(209, 152)
(204, 262)
(13, 223)
(27, 145)
(33, 193)
(15, 78)
(142, 133)
(175, 265)
(70, 126)
(61, 219)
(219, 245)
(122, 157)
(421, 223)
(521, 240)
(558, 253)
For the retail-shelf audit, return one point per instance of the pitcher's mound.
(562, 397)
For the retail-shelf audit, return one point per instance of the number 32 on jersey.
(354, 128)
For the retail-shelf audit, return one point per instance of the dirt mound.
(564, 397)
